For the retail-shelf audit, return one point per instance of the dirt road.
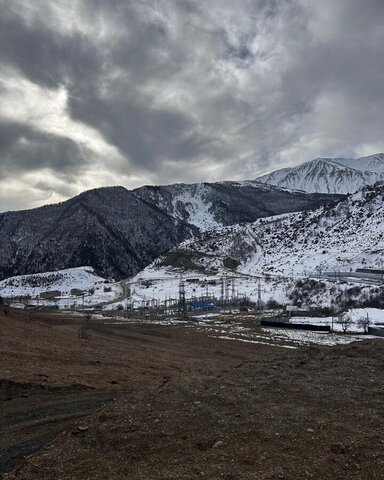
(174, 402)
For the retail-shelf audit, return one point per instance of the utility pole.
(182, 310)
(222, 289)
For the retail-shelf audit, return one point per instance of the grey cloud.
(23, 150)
(175, 85)
(63, 190)
(44, 56)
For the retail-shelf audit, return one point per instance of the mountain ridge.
(120, 231)
(329, 175)
(223, 203)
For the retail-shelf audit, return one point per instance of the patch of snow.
(198, 209)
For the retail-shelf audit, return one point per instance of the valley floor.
(146, 401)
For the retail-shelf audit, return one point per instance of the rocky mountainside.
(329, 175)
(214, 205)
(120, 232)
(108, 228)
(339, 237)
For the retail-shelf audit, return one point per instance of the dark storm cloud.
(22, 150)
(9, 134)
(186, 90)
(44, 56)
(143, 133)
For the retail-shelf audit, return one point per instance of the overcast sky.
(128, 92)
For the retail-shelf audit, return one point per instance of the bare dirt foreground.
(172, 402)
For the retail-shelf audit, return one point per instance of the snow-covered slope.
(63, 281)
(329, 175)
(342, 237)
(185, 202)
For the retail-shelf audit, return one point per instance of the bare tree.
(345, 320)
(363, 321)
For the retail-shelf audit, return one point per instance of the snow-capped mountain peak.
(329, 175)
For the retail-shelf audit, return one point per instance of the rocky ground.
(174, 402)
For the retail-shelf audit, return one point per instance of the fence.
(280, 319)
(296, 326)
(378, 332)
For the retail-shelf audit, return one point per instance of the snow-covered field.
(359, 319)
(244, 331)
(69, 288)
(282, 338)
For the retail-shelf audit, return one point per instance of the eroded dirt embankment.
(186, 405)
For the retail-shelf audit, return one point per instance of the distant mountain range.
(329, 175)
(120, 232)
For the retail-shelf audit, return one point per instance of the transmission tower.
(226, 285)
(259, 294)
(182, 307)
